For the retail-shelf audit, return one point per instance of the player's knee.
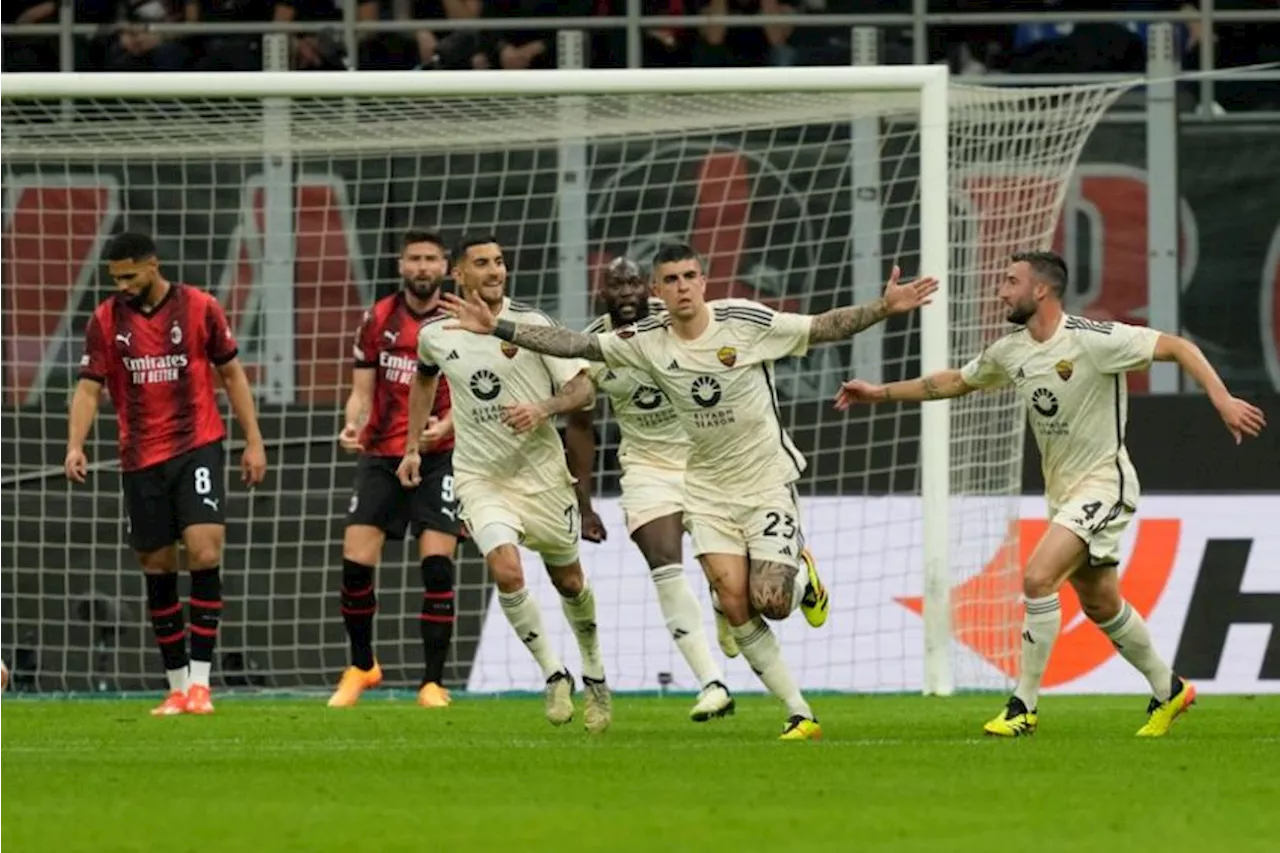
(1100, 598)
(362, 543)
(158, 562)
(658, 556)
(735, 604)
(568, 580)
(771, 599)
(505, 569)
(1038, 585)
(204, 545)
(437, 573)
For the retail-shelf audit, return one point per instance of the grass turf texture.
(894, 773)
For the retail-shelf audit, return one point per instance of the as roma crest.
(728, 356)
(509, 349)
(1064, 369)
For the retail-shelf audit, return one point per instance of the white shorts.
(1099, 520)
(547, 522)
(649, 494)
(764, 525)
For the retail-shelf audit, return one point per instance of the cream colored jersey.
(485, 374)
(722, 388)
(651, 433)
(1074, 388)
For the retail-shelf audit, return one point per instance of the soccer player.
(155, 347)
(1070, 373)
(377, 420)
(510, 474)
(652, 454)
(714, 361)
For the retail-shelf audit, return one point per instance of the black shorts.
(378, 500)
(166, 499)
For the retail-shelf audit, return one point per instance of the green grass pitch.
(900, 773)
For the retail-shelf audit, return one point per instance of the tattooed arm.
(840, 324)
(551, 340)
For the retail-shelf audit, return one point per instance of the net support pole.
(571, 193)
(868, 269)
(935, 416)
(276, 284)
(1163, 274)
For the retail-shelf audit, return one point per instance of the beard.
(423, 290)
(142, 297)
(641, 311)
(1020, 314)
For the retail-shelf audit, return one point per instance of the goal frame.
(931, 82)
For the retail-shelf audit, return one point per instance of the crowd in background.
(123, 41)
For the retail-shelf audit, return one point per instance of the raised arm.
(1241, 418)
(840, 324)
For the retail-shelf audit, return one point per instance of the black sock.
(166, 619)
(359, 604)
(436, 619)
(205, 605)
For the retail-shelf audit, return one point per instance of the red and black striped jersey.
(159, 369)
(387, 342)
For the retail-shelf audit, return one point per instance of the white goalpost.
(285, 194)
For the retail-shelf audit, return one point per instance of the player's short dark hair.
(1049, 267)
(673, 252)
(469, 240)
(421, 235)
(129, 246)
(623, 268)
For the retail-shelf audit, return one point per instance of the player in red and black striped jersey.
(155, 347)
(377, 422)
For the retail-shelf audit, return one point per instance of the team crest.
(509, 349)
(175, 333)
(728, 356)
(1064, 370)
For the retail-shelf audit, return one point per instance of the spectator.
(518, 49)
(431, 46)
(660, 47)
(233, 52)
(745, 46)
(131, 46)
(31, 53)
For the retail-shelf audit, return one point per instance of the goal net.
(289, 207)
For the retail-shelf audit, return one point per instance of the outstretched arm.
(936, 386)
(1241, 418)
(551, 340)
(839, 324)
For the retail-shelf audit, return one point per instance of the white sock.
(760, 647)
(525, 617)
(1129, 634)
(1039, 632)
(200, 672)
(178, 679)
(683, 616)
(580, 610)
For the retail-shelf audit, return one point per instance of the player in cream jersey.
(714, 361)
(652, 455)
(509, 470)
(1070, 374)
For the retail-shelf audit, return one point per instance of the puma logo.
(125, 338)
(211, 502)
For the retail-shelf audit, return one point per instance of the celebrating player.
(510, 474)
(377, 419)
(1070, 373)
(714, 362)
(155, 346)
(652, 454)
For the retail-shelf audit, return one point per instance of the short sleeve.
(426, 356)
(365, 350)
(985, 371)
(787, 335)
(1119, 347)
(623, 348)
(93, 362)
(220, 344)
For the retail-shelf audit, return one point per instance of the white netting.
(800, 200)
